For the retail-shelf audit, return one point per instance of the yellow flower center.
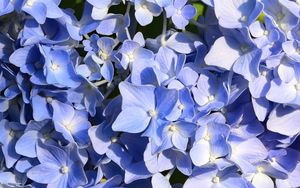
(104, 56)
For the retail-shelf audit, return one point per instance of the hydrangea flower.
(149, 93)
(180, 13)
(63, 167)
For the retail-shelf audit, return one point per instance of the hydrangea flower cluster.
(106, 97)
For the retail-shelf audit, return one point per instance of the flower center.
(181, 107)
(152, 113)
(244, 48)
(12, 133)
(49, 100)
(283, 26)
(212, 158)
(259, 169)
(179, 12)
(144, 6)
(54, 66)
(30, 3)
(172, 128)
(130, 57)
(273, 160)
(264, 73)
(64, 170)
(206, 137)
(104, 56)
(223, 110)
(114, 139)
(216, 179)
(266, 32)
(280, 16)
(243, 19)
(297, 86)
(211, 98)
(47, 136)
(68, 126)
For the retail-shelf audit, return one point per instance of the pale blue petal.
(132, 120)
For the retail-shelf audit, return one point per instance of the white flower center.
(54, 67)
(114, 139)
(68, 126)
(130, 57)
(243, 19)
(206, 137)
(283, 26)
(216, 179)
(49, 100)
(30, 3)
(280, 16)
(297, 86)
(180, 107)
(266, 32)
(259, 169)
(152, 113)
(264, 73)
(64, 169)
(211, 98)
(144, 6)
(212, 158)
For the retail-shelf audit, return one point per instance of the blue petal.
(137, 96)
(165, 100)
(158, 180)
(40, 108)
(52, 155)
(50, 173)
(284, 120)
(26, 144)
(132, 120)
(202, 147)
(223, 53)
(38, 10)
(107, 71)
(248, 64)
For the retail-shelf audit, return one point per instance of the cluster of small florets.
(96, 99)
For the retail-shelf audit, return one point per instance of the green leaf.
(200, 7)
